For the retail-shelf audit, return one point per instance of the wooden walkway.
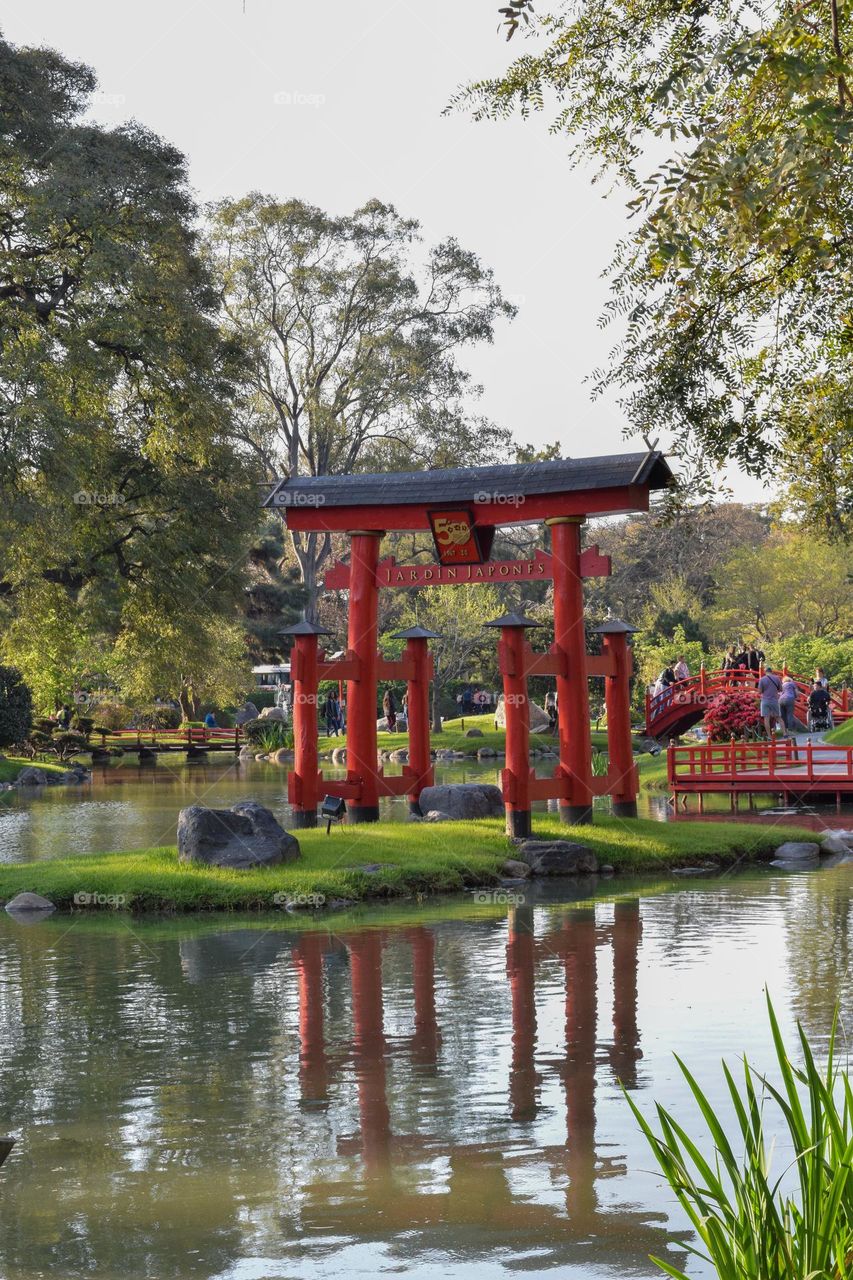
(195, 741)
(794, 769)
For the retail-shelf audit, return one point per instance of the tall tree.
(735, 285)
(117, 468)
(354, 337)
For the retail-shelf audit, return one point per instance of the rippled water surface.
(428, 1090)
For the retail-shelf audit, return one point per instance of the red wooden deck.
(684, 704)
(783, 767)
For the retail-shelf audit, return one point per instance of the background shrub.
(16, 707)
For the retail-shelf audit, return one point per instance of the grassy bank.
(11, 766)
(452, 738)
(842, 734)
(409, 859)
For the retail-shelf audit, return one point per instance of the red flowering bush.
(734, 713)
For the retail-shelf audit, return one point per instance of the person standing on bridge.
(787, 702)
(681, 669)
(769, 691)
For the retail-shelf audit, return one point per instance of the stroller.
(819, 715)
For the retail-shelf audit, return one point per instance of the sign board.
(391, 574)
(456, 537)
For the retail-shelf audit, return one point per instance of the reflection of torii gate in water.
(463, 507)
(479, 1191)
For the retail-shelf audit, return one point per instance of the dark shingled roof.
(465, 484)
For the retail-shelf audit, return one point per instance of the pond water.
(129, 806)
(424, 1090)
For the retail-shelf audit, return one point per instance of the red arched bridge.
(683, 704)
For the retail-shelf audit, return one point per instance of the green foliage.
(156, 715)
(750, 1227)
(730, 125)
(110, 716)
(804, 653)
(268, 735)
(67, 743)
(16, 707)
(651, 655)
(353, 347)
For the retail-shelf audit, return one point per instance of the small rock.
(282, 756)
(518, 870)
(558, 857)
(273, 713)
(414, 817)
(689, 871)
(474, 733)
(607, 870)
(29, 903)
(487, 753)
(399, 757)
(436, 815)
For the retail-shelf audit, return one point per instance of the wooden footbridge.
(795, 771)
(196, 741)
(683, 704)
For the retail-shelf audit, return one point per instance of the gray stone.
(29, 903)
(31, 777)
(248, 711)
(73, 777)
(473, 733)
(464, 800)
(558, 857)
(246, 835)
(274, 713)
(518, 870)
(797, 851)
(606, 870)
(282, 756)
(413, 817)
(436, 815)
(539, 722)
(834, 844)
(487, 753)
(399, 757)
(339, 755)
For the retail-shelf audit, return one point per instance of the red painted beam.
(616, 501)
(390, 574)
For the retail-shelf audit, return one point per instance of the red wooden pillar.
(420, 760)
(313, 1066)
(516, 776)
(369, 1047)
(361, 692)
(572, 689)
(627, 930)
(521, 970)
(622, 772)
(303, 780)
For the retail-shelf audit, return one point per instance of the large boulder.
(833, 843)
(797, 855)
(246, 835)
(539, 722)
(274, 713)
(463, 800)
(473, 733)
(248, 711)
(28, 904)
(31, 777)
(558, 857)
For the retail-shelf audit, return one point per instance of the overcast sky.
(337, 102)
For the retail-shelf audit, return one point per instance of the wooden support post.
(420, 758)
(521, 970)
(512, 658)
(362, 767)
(303, 781)
(622, 772)
(572, 691)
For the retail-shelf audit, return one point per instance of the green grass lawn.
(414, 859)
(11, 766)
(842, 734)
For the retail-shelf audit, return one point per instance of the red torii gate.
(471, 503)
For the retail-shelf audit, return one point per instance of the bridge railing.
(186, 735)
(782, 758)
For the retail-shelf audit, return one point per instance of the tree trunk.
(311, 550)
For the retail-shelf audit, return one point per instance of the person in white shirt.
(682, 671)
